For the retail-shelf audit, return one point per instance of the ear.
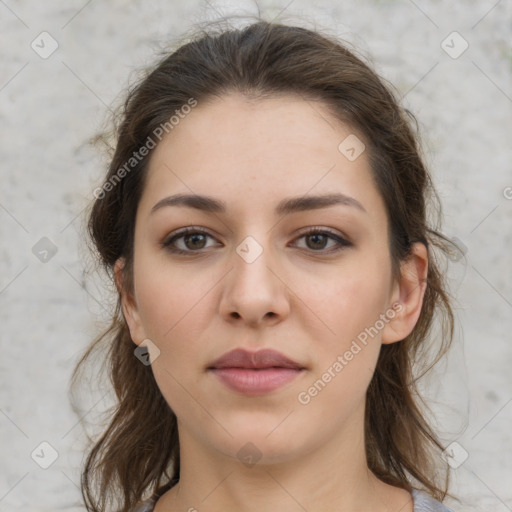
(408, 293)
(128, 304)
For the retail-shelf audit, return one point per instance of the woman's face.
(252, 278)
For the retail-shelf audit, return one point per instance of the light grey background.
(50, 107)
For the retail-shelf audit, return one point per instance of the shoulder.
(423, 502)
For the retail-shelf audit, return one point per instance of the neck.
(331, 478)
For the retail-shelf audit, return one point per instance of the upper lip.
(265, 358)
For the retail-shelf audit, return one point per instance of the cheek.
(170, 300)
(173, 311)
(175, 308)
(348, 301)
(346, 354)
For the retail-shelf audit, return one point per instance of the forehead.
(255, 152)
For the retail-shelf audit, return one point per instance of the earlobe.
(409, 293)
(128, 304)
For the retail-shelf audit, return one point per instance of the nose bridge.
(252, 260)
(250, 249)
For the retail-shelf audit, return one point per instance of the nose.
(255, 290)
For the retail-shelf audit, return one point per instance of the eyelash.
(342, 242)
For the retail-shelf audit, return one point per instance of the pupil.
(318, 236)
(195, 239)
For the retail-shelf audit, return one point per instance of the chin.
(269, 441)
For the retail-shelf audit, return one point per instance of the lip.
(261, 359)
(255, 373)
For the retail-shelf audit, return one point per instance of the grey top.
(423, 502)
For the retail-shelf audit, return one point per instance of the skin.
(295, 297)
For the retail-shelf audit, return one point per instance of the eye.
(319, 237)
(193, 240)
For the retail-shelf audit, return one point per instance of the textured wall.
(64, 63)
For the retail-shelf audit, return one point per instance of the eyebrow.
(286, 206)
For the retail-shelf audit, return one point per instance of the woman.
(264, 218)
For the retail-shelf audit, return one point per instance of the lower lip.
(255, 382)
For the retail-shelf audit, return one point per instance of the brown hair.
(139, 450)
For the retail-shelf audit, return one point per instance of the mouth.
(255, 373)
